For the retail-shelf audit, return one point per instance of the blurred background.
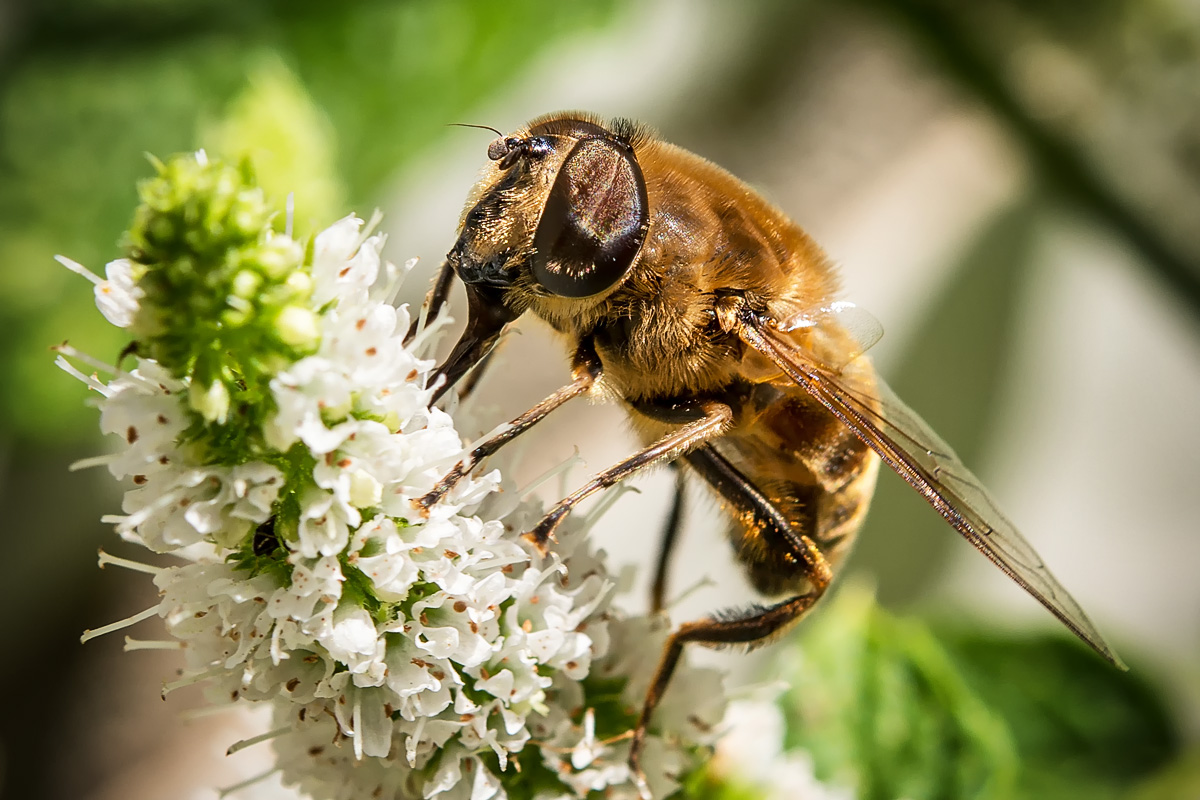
(1011, 187)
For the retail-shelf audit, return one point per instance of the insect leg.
(714, 417)
(476, 374)
(658, 591)
(586, 370)
(435, 299)
(751, 628)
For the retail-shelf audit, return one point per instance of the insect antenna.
(469, 125)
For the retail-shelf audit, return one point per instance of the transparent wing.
(911, 448)
(857, 331)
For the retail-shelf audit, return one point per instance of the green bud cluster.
(225, 299)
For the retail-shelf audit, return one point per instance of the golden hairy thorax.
(708, 233)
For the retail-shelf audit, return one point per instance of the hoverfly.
(711, 317)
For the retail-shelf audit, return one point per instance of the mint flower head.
(275, 429)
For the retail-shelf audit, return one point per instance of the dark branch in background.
(1055, 156)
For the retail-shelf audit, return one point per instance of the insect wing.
(911, 448)
(852, 329)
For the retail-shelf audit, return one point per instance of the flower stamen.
(132, 644)
(90, 634)
(136, 566)
(253, 740)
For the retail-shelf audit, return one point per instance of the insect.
(711, 317)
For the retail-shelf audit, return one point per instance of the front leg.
(586, 369)
(713, 419)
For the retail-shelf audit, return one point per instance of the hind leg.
(757, 626)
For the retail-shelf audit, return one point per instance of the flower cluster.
(276, 428)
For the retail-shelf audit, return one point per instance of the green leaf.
(1082, 728)
(892, 707)
(881, 707)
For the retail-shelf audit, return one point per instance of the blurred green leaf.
(1082, 728)
(1181, 778)
(881, 708)
(894, 708)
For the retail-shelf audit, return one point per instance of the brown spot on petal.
(483, 673)
(533, 601)
(343, 272)
(412, 375)
(345, 462)
(362, 323)
(292, 684)
(507, 569)
(312, 659)
(316, 749)
(139, 479)
(572, 665)
(449, 554)
(371, 351)
(164, 460)
(131, 435)
(527, 626)
(438, 674)
(460, 606)
(474, 627)
(303, 713)
(465, 717)
(329, 459)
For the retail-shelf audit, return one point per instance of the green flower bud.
(298, 327)
(212, 403)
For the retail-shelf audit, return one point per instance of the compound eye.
(594, 221)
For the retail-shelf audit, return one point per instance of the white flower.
(118, 296)
(440, 648)
(751, 754)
